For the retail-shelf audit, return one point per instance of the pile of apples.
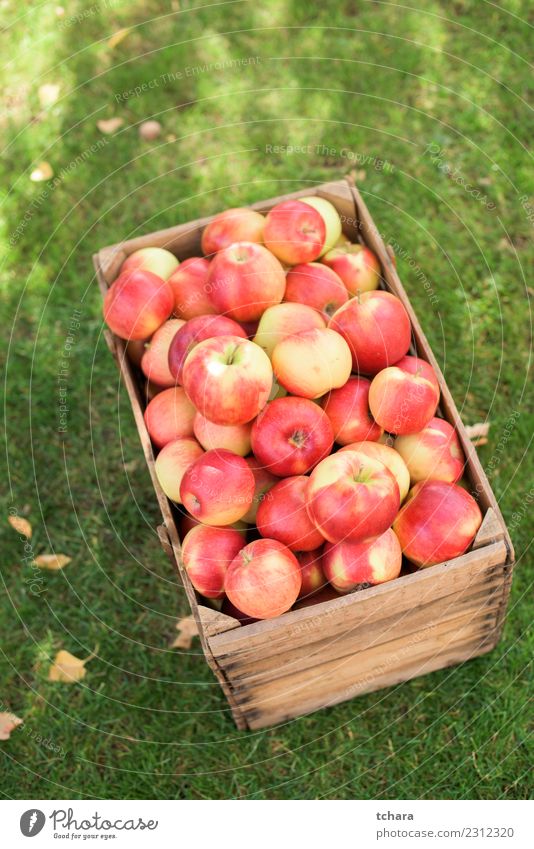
(296, 433)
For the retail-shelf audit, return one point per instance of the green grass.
(368, 80)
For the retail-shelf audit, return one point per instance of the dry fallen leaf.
(109, 125)
(8, 723)
(118, 36)
(478, 433)
(68, 668)
(48, 94)
(52, 561)
(149, 130)
(42, 172)
(187, 629)
(21, 525)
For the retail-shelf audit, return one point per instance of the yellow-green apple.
(301, 230)
(173, 461)
(244, 279)
(389, 457)
(189, 285)
(291, 435)
(197, 330)
(155, 360)
(137, 303)
(233, 225)
(356, 565)
(377, 329)
(264, 579)
(234, 438)
(230, 609)
(348, 410)
(311, 572)
(438, 522)
(206, 554)
(157, 260)
(317, 286)
(352, 497)
(402, 400)
(218, 488)
(263, 482)
(169, 415)
(228, 379)
(312, 362)
(435, 452)
(356, 265)
(282, 515)
(285, 320)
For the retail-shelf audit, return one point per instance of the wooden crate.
(326, 653)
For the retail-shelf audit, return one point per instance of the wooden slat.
(490, 530)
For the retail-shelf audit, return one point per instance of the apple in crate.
(282, 515)
(404, 397)
(172, 462)
(317, 286)
(234, 438)
(218, 488)
(354, 565)
(389, 457)
(198, 330)
(263, 482)
(233, 225)
(348, 410)
(356, 266)
(435, 452)
(264, 579)
(189, 285)
(157, 260)
(137, 303)
(312, 363)
(311, 572)
(169, 415)
(291, 435)
(285, 320)
(352, 497)
(302, 230)
(377, 329)
(206, 554)
(228, 379)
(244, 280)
(155, 360)
(438, 522)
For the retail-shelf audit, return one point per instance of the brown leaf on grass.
(48, 94)
(8, 723)
(52, 561)
(149, 130)
(187, 629)
(118, 36)
(478, 433)
(21, 525)
(68, 668)
(43, 171)
(109, 125)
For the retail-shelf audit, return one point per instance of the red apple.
(291, 435)
(157, 260)
(285, 320)
(232, 225)
(348, 410)
(264, 579)
(356, 265)
(172, 462)
(377, 329)
(317, 286)
(302, 230)
(438, 522)
(207, 554)
(419, 367)
(352, 497)
(356, 565)
(244, 279)
(169, 416)
(389, 457)
(189, 285)
(155, 360)
(228, 379)
(282, 515)
(311, 572)
(136, 304)
(435, 452)
(198, 330)
(312, 363)
(402, 401)
(263, 482)
(218, 488)
(234, 438)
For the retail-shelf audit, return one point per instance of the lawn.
(426, 103)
